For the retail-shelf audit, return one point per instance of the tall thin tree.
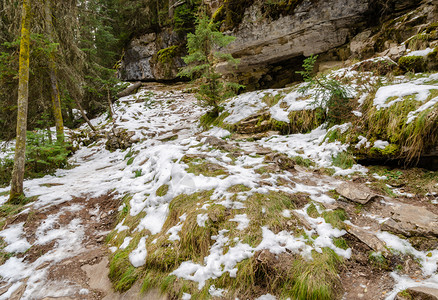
(23, 95)
(56, 102)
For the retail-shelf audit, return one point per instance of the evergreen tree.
(23, 94)
(201, 61)
(56, 101)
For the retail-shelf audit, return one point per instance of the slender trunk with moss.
(56, 102)
(23, 95)
(78, 104)
(110, 104)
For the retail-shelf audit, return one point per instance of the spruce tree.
(203, 55)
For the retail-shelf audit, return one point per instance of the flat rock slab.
(370, 240)
(420, 293)
(356, 192)
(411, 220)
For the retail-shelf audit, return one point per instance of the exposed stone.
(168, 138)
(360, 44)
(119, 138)
(314, 27)
(219, 143)
(141, 61)
(330, 65)
(411, 220)
(356, 192)
(281, 160)
(254, 124)
(370, 240)
(255, 136)
(418, 293)
(302, 220)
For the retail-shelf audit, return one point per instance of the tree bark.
(84, 115)
(129, 90)
(23, 95)
(110, 104)
(56, 102)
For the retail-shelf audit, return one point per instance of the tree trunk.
(56, 102)
(110, 104)
(84, 115)
(129, 90)
(23, 95)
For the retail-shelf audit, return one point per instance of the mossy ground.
(407, 140)
(302, 278)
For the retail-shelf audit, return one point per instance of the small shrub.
(329, 93)
(44, 156)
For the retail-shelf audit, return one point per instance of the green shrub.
(44, 156)
(6, 166)
(329, 93)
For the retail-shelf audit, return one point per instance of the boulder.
(370, 240)
(356, 192)
(119, 138)
(281, 160)
(411, 220)
(141, 61)
(418, 293)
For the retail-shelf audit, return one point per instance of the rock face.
(271, 50)
(143, 62)
(314, 27)
(411, 220)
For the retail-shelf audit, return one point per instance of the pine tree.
(201, 62)
(23, 94)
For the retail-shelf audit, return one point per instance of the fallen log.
(129, 90)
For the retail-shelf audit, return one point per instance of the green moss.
(238, 188)
(162, 190)
(335, 217)
(404, 295)
(166, 55)
(412, 63)
(344, 160)
(210, 119)
(207, 169)
(272, 100)
(130, 161)
(312, 211)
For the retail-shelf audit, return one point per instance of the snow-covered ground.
(156, 160)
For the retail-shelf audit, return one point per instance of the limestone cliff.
(271, 44)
